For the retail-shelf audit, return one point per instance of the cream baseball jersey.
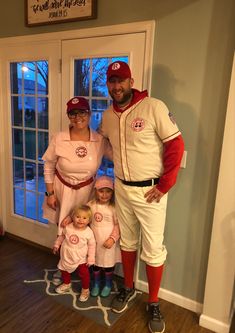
(137, 136)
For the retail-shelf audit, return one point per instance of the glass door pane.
(29, 123)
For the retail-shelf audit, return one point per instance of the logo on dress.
(138, 124)
(98, 217)
(81, 152)
(73, 239)
(171, 117)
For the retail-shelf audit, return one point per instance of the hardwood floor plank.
(26, 311)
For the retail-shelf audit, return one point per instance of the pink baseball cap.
(104, 181)
(119, 69)
(78, 103)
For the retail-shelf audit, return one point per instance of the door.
(31, 111)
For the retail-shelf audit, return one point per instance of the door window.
(29, 124)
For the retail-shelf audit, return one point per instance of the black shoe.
(120, 302)
(156, 323)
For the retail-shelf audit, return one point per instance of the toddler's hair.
(81, 208)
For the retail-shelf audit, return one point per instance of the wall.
(193, 52)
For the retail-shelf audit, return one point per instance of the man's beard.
(126, 97)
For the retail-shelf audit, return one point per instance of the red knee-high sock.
(128, 264)
(154, 276)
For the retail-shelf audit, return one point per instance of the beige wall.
(194, 45)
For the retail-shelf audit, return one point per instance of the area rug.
(96, 308)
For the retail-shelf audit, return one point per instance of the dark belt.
(143, 183)
(74, 187)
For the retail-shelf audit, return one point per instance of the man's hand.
(153, 195)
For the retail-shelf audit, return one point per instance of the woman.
(71, 162)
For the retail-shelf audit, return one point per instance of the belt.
(74, 187)
(143, 183)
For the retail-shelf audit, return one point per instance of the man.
(148, 148)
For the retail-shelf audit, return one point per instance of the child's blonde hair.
(83, 208)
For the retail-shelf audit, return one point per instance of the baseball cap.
(104, 181)
(78, 103)
(119, 69)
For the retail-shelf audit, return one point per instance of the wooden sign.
(41, 12)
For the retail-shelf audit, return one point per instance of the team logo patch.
(74, 239)
(116, 66)
(98, 217)
(171, 117)
(75, 100)
(81, 152)
(138, 124)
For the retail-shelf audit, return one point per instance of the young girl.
(77, 251)
(106, 230)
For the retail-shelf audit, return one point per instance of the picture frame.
(43, 12)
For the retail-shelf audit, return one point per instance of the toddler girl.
(106, 230)
(77, 251)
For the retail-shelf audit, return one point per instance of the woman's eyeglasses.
(80, 113)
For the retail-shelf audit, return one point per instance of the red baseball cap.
(120, 69)
(78, 103)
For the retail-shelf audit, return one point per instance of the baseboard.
(172, 297)
(213, 324)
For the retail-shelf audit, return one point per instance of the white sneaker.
(63, 288)
(85, 293)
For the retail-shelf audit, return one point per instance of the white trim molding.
(214, 325)
(174, 298)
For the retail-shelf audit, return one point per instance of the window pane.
(18, 201)
(41, 184)
(17, 140)
(30, 145)
(29, 77)
(29, 112)
(81, 77)
(42, 143)
(99, 68)
(18, 172)
(16, 78)
(16, 110)
(43, 112)
(30, 176)
(31, 202)
(42, 77)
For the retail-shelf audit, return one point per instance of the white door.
(33, 109)
(30, 104)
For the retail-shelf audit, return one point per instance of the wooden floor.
(26, 311)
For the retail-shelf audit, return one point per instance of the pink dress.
(104, 225)
(76, 161)
(78, 247)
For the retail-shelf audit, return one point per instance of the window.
(29, 123)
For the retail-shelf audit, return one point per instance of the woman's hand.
(51, 201)
(55, 250)
(109, 243)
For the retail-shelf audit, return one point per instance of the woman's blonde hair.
(83, 208)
